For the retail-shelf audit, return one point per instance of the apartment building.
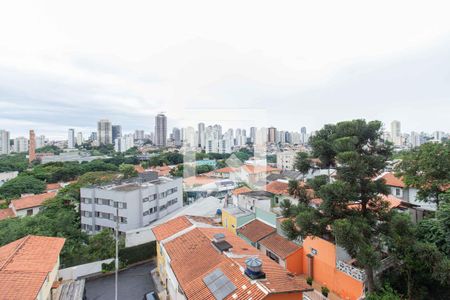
(137, 202)
(286, 160)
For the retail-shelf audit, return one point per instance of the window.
(123, 220)
(98, 228)
(122, 205)
(272, 256)
(29, 212)
(397, 192)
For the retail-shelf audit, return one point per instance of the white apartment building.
(104, 132)
(138, 202)
(124, 143)
(40, 141)
(80, 139)
(286, 160)
(71, 138)
(20, 145)
(4, 142)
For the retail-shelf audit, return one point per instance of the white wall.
(75, 272)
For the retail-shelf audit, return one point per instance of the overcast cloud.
(305, 63)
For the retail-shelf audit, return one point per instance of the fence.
(75, 272)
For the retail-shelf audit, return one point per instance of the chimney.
(254, 268)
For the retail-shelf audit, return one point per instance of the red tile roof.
(171, 227)
(278, 188)
(251, 169)
(53, 186)
(241, 190)
(6, 213)
(32, 201)
(192, 257)
(279, 245)
(255, 230)
(139, 168)
(25, 264)
(225, 170)
(392, 180)
(198, 180)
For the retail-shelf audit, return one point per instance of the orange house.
(283, 251)
(328, 267)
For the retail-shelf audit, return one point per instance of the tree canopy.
(427, 168)
(352, 212)
(21, 185)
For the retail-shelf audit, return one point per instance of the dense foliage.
(60, 218)
(427, 168)
(352, 211)
(21, 185)
(13, 162)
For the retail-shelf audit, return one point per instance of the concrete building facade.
(138, 202)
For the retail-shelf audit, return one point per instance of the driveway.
(134, 283)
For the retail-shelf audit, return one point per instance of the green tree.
(21, 185)
(287, 208)
(302, 162)
(419, 262)
(128, 171)
(14, 162)
(427, 168)
(352, 210)
(298, 191)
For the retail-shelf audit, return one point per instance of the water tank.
(254, 268)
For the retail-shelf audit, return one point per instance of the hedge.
(138, 253)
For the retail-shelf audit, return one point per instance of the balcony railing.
(350, 270)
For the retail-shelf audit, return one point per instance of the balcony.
(350, 270)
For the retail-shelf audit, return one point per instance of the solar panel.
(219, 284)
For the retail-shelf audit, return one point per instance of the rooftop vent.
(220, 244)
(254, 268)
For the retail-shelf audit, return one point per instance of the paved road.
(134, 283)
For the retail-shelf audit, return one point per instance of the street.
(134, 283)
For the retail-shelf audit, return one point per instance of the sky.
(286, 64)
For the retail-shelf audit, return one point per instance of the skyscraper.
(252, 134)
(71, 138)
(396, 134)
(139, 134)
(176, 135)
(32, 147)
(4, 142)
(40, 141)
(160, 130)
(104, 129)
(201, 135)
(116, 132)
(272, 135)
(80, 139)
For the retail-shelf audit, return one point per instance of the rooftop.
(279, 245)
(32, 201)
(171, 227)
(6, 213)
(145, 179)
(392, 180)
(193, 258)
(241, 190)
(25, 264)
(255, 230)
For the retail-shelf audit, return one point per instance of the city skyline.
(393, 70)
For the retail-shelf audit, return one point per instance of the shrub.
(309, 280)
(138, 253)
(325, 291)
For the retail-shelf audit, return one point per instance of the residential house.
(30, 205)
(234, 217)
(29, 267)
(254, 231)
(206, 262)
